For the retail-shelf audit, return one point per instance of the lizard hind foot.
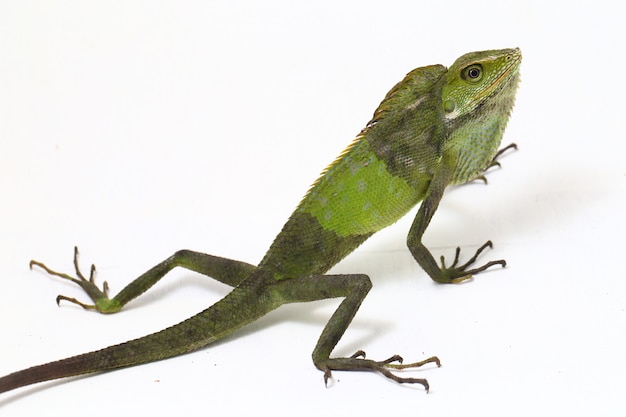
(100, 297)
(358, 362)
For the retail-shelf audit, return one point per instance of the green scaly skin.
(435, 128)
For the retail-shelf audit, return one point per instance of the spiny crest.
(408, 92)
(336, 161)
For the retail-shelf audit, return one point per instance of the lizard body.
(435, 128)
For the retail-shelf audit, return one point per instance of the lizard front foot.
(100, 297)
(455, 274)
(357, 362)
(494, 162)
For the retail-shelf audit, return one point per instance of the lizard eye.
(473, 73)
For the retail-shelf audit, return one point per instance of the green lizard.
(435, 128)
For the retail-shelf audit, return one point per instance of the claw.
(75, 301)
(503, 150)
(358, 354)
(394, 358)
(432, 359)
(327, 375)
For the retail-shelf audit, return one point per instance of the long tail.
(237, 309)
(176, 340)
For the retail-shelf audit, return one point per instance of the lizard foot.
(455, 274)
(357, 362)
(494, 162)
(100, 297)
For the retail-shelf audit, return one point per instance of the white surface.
(134, 129)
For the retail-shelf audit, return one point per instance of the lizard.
(437, 127)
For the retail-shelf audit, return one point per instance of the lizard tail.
(176, 340)
(196, 332)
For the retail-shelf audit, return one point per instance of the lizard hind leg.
(353, 288)
(228, 271)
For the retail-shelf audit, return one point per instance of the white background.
(133, 129)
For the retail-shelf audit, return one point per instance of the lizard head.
(477, 77)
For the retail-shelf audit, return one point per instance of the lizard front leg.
(455, 273)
